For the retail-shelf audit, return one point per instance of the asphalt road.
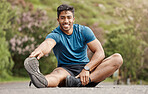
(102, 88)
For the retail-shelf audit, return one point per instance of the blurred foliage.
(6, 62)
(130, 39)
(129, 47)
(32, 27)
(120, 25)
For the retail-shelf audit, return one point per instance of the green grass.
(143, 82)
(108, 80)
(14, 79)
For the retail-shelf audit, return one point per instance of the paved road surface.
(102, 88)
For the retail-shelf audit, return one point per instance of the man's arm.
(96, 47)
(44, 48)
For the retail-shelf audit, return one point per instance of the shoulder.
(79, 27)
(55, 34)
(88, 34)
(56, 30)
(85, 30)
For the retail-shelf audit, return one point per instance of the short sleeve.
(54, 36)
(88, 34)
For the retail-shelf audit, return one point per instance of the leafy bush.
(6, 63)
(118, 41)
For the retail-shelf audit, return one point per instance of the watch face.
(86, 68)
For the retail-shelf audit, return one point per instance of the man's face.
(66, 20)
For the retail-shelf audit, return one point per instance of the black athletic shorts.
(74, 70)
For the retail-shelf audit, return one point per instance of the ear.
(73, 19)
(58, 19)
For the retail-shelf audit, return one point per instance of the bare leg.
(106, 68)
(56, 77)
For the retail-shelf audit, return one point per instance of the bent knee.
(60, 73)
(118, 60)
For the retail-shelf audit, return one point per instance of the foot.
(73, 82)
(37, 78)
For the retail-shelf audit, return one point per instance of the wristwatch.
(86, 68)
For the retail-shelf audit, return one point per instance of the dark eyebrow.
(62, 16)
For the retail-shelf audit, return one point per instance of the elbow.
(101, 54)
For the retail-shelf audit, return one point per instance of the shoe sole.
(32, 67)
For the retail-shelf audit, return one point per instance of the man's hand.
(37, 53)
(84, 77)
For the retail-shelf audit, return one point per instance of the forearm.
(95, 60)
(96, 47)
(43, 49)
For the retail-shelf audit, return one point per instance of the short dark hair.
(65, 7)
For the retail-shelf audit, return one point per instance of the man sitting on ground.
(69, 42)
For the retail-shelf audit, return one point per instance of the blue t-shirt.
(72, 49)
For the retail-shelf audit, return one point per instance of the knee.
(53, 81)
(118, 60)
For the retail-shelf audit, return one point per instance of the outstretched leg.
(39, 80)
(57, 77)
(106, 68)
